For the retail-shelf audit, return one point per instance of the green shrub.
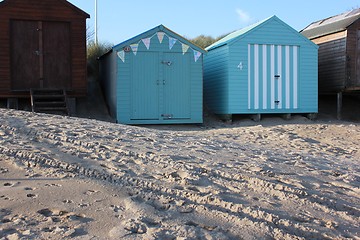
(94, 51)
(205, 41)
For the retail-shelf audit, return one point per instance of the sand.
(72, 178)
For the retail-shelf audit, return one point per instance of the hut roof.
(4, 3)
(233, 37)
(160, 28)
(331, 25)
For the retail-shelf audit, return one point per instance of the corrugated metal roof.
(331, 25)
(229, 38)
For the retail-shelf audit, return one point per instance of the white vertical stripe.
(256, 76)
(272, 48)
(295, 77)
(249, 76)
(279, 81)
(264, 56)
(287, 80)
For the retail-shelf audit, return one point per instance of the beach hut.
(265, 68)
(42, 46)
(154, 78)
(339, 54)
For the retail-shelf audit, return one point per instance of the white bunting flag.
(121, 55)
(134, 48)
(160, 36)
(146, 42)
(184, 48)
(196, 55)
(172, 42)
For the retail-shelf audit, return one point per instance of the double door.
(160, 86)
(273, 77)
(40, 55)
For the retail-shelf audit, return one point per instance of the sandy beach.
(74, 178)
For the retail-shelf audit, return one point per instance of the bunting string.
(121, 55)
(134, 48)
(160, 35)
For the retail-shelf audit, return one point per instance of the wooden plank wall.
(332, 66)
(44, 10)
(353, 56)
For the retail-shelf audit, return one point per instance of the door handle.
(169, 63)
(38, 52)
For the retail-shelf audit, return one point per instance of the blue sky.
(120, 20)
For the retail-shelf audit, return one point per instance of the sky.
(120, 20)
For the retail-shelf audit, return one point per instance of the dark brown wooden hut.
(338, 38)
(339, 52)
(42, 45)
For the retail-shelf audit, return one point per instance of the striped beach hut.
(154, 78)
(265, 68)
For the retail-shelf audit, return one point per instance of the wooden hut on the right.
(338, 38)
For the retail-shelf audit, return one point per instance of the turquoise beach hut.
(265, 68)
(154, 78)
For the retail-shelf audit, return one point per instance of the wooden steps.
(49, 101)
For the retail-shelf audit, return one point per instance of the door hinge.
(167, 116)
(158, 82)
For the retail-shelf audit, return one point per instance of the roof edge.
(65, 2)
(153, 31)
(338, 25)
(247, 30)
(238, 34)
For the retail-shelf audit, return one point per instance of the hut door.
(56, 55)
(145, 84)
(273, 77)
(176, 69)
(25, 59)
(40, 55)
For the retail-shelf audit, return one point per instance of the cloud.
(244, 17)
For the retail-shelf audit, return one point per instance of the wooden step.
(48, 96)
(55, 109)
(61, 103)
(49, 100)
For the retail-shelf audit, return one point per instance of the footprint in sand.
(90, 192)
(31, 195)
(10, 184)
(53, 185)
(4, 197)
(62, 216)
(117, 209)
(46, 212)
